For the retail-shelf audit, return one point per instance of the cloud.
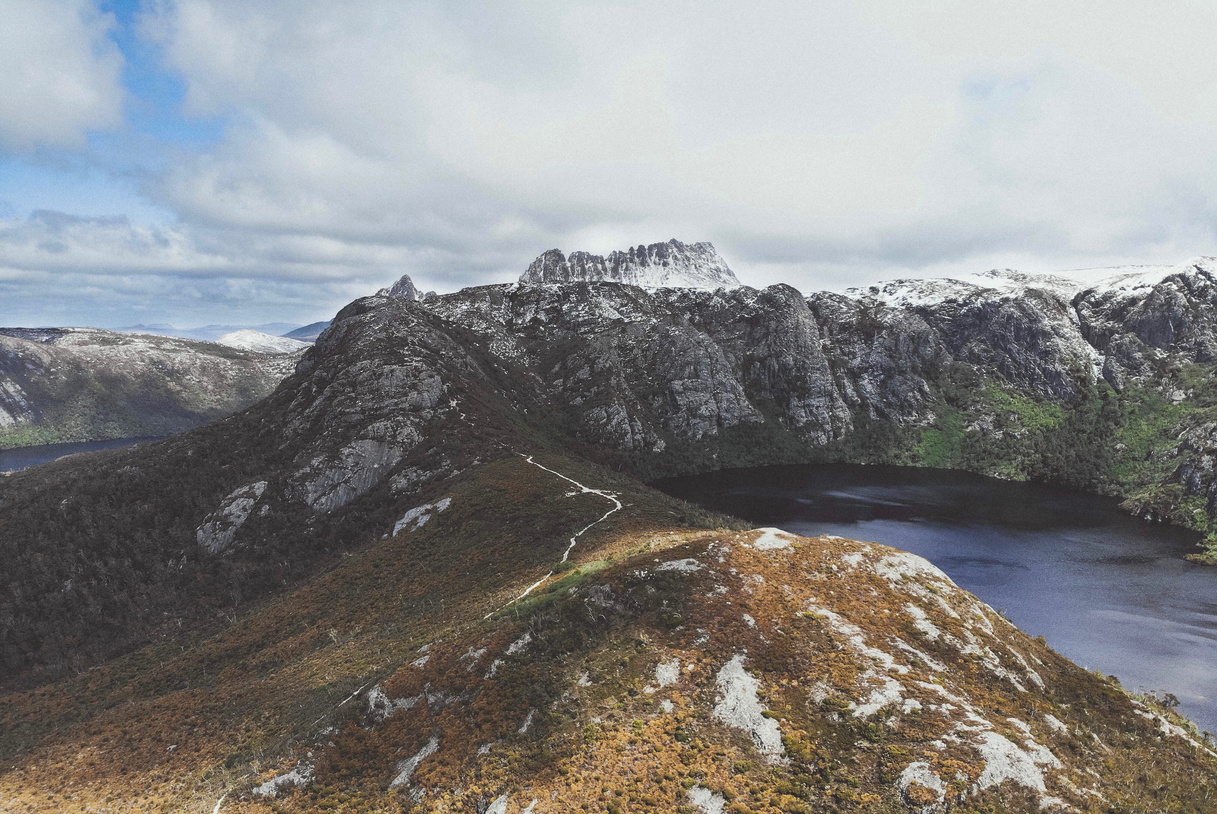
(857, 132)
(820, 144)
(61, 74)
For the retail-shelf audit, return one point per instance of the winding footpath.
(617, 506)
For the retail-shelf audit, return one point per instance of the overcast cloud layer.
(214, 161)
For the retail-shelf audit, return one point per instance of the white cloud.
(889, 136)
(816, 143)
(61, 73)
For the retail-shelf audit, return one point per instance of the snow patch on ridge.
(258, 342)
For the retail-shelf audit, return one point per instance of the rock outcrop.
(402, 289)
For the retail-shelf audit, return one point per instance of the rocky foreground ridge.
(674, 664)
(460, 470)
(81, 384)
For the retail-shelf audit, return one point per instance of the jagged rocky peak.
(660, 265)
(402, 289)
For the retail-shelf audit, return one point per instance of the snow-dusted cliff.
(660, 265)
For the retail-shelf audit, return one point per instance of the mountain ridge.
(81, 384)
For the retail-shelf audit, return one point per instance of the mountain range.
(425, 572)
(209, 333)
(81, 384)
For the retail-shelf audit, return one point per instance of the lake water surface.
(1110, 592)
(12, 460)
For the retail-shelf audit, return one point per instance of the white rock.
(667, 672)
(771, 539)
(687, 565)
(706, 801)
(219, 528)
(419, 515)
(405, 769)
(739, 707)
(924, 776)
(299, 776)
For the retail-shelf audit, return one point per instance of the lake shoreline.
(1107, 589)
(16, 459)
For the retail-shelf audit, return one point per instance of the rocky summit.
(426, 574)
(659, 265)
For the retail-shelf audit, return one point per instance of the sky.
(220, 161)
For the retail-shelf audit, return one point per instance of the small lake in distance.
(1110, 592)
(12, 460)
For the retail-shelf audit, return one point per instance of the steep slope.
(659, 265)
(107, 551)
(78, 384)
(668, 666)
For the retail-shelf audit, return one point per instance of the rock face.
(402, 289)
(659, 265)
(220, 527)
(79, 384)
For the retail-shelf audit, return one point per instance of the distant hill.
(259, 342)
(308, 333)
(207, 333)
(85, 384)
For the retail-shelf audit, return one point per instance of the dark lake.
(12, 460)
(1111, 592)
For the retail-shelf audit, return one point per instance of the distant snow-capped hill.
(1107, 284)
(660, 265)
(308, 333)
(84, 384)
(259, 342)
(207, 333)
